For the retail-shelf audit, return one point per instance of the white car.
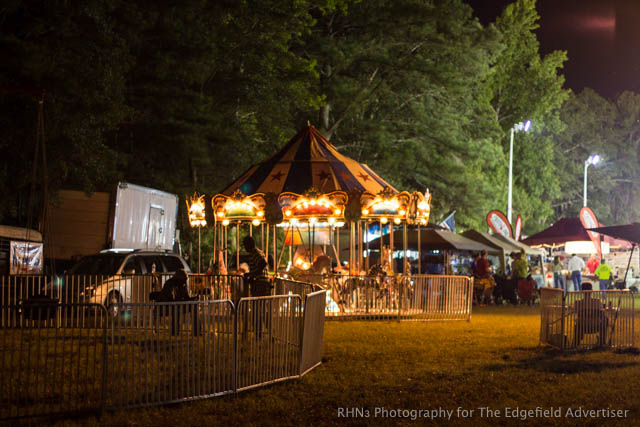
(111, 278)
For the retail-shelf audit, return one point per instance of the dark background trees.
(184, 96)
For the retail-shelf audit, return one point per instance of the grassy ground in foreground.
(495, 361)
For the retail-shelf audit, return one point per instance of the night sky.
(602, 38)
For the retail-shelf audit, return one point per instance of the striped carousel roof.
(308, 160)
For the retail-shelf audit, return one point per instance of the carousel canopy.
(307, 161)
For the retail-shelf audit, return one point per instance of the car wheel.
(113, 304)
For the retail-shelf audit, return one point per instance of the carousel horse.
(374, 291)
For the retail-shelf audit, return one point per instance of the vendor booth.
(568, 236)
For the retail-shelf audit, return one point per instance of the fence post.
(400, 295)
(105, 357)
(470, 285)
(304, 319)
(562, 321)
(235, 344)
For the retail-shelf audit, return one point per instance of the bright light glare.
(595, 159)
(527, 125)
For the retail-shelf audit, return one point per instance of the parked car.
(114, 277)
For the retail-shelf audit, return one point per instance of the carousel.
(308, 204)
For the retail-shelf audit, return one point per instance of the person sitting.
(590, 317)
(175, 290)
(526, 290)
(484, 282)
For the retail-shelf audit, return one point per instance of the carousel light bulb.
(383, 220)
(225, 222)
(402, 212)
(336, 211)
(313, 202)
(312, 220)
(255, 222)
(293, 221)
(422, 205)
(305, 265)
(397, 220)
(260, 214)
(331, 220)
(299, 261)
(365, 211)
(287, 212)
(220, 214)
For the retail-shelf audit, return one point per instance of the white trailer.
(130, 217)
(144, 218)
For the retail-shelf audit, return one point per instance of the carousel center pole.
(215, 254)
(367, 265)
(237, 245)
(419, 252)
(407, 266)
(393, 261)
(199, 257)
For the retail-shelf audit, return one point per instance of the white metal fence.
(58, 358)
(586, 319)
(417, 297)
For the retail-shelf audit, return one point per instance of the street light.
(518, 127)
(592, 160)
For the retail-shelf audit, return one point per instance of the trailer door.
(155, 234)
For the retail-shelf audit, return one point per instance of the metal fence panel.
(587, 319)
(173, 352)
(125, 352)
(436, 297)
(288, 287)
(269, 339)
(362, 297)
(313, 331)
(48, 365)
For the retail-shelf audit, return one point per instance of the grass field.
(493, 361)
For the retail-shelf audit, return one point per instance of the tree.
(404, 92)
(611, 129)
(526, 86)
(70, 51)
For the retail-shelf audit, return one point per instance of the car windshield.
(104, 264)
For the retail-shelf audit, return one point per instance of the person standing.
(483, 280)
(576, 265)
(259, 285)
(603, 272)
(558, 279)
(592, 264)
(257, 276)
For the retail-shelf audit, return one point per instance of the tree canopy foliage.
(186, 95)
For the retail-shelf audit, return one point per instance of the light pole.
(592, 160)
(518, 127)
